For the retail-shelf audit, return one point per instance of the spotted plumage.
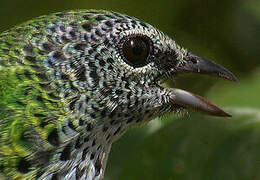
(72, 83)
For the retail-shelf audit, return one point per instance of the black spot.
(65, 77)
(62, 14)
(90, 51)
(81, 122)
(63, 129)
(87, 26)
(93, 38)
(23, 166)
(55, 176)
(57, 55)
(98, 166)
(86, 100)
(53, 138)
(117, 131)
(98, 33)
(105, 128)
(103, 113)
(100, 18)
(72, 34)
(89, 127)
(130, 120)
(102, 63)
(64, 39)
(30, 58)
(118, 15)
(118, 92)
(80, 46)
(28, 48)
(47, 47)
(39, 115)
(92, 65)
(17, 52)
(1, 167)
(42, 76)
(20, 103)
(93, 142)
(86, 17)
(43, 124)
(84, 153)
(73, 65)
(85, 37)
(93, 115)
(97, 56)
(110, 60)
(65, 155)
(66, 94)
(103, 50)
(39, 98)
(73, 23)
(78, 143)
(94, 75)
(39, 174)
(133, 22)
(113, 122)
(92, 156)
(79, 173)
(109, 23)
(86, 139)
(121, 21)
(28, 74)
(62, 28)
(52, 29)
(71, 125)
(138, 120)
(108, 136)
(128, 96)
(109, 16)
(136, 103)
(143, 24)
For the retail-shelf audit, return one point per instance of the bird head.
(130, 60)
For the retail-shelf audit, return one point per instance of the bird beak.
(196, 64)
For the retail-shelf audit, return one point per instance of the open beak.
(196, 64)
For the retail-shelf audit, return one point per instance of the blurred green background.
(194, 147)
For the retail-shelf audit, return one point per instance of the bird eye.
(136, 50)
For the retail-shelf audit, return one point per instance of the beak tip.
(223, 114)
(229, 76)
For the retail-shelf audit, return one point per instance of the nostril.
(194, 61)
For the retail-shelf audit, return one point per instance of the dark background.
(192, 147)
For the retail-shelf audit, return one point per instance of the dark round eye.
(136, 51)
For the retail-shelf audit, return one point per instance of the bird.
(73, 82)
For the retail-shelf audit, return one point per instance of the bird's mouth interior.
(188, 100)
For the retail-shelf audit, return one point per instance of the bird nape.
(71, 83)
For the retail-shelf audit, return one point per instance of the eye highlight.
(135, 50)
